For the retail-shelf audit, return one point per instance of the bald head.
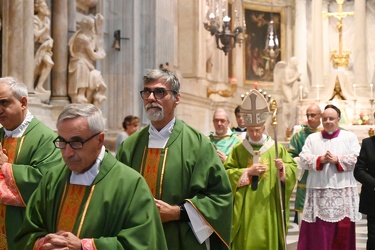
(313, 115)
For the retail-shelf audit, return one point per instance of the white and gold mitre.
(254, 109)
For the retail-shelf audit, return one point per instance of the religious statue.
(286, 77)
(86, 84)
(85, 5)
(43, 44)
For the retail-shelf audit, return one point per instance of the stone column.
(317, 44)
(289, 31)
(60, 49)
(360, 51)
(300, 42)
(28, 44)
(15, 40)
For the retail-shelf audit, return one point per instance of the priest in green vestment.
(313, 115)
(182, 170)
(223, 138)
(260, 219)
(92, 202)
(26, 153)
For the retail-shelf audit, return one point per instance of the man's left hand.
(62, 240)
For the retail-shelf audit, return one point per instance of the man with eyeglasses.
(223, 138)
(313, 115)
(26, 153)
(182, 169)
(92, 201)
(331, 205)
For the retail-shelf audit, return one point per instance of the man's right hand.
(256, 169)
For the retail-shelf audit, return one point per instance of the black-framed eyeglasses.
(159, 93)
(61, 143)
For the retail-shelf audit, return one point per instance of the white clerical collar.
(260, 142)
(18, 132)
(158, 139)
(88, 177)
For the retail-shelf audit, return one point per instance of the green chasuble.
(117, 211)
(35, 154)
(225, 143)
(188, 169)
(257, 223)
(295, 148)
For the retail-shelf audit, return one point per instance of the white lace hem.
(331, 205)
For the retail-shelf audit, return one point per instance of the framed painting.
(258, 64)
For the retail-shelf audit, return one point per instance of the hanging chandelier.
(225, 39)
(271, 49)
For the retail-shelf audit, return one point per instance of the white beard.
(155, 115)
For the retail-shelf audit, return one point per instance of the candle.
(317, 92)
(300, 92)
(255, 85)
(355, 90)
(371, 91)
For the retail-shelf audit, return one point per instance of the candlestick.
(371, 91)
(300, 92)
(317, 92)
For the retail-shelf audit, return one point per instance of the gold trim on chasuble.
(207, 223)
(10, 145)
(70, 207)
(150, 167)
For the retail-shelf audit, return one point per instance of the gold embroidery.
(3, 238)
(162, 173)
(85, 210)
(3, 241)
(71, 205)
(151, 168)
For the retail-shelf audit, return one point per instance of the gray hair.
(19, 89)
(164, 74)
(221, 110)
(92, 114)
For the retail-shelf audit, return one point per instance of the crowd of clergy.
(171, 187)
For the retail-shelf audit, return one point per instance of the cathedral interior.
(296, 52)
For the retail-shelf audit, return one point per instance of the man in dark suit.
(364, 172)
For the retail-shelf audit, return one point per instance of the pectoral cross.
(341, 58)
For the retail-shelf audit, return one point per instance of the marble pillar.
(360, 49)
(15, 40)
(289, 32)
(300, 42)
(317, 44)
(28, 44)
(60, 49)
